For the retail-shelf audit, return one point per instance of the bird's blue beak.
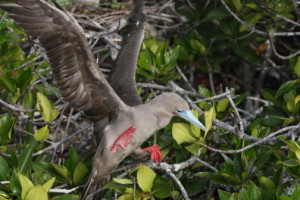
(188, 115)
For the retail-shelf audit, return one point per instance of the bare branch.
(14, 108)
(261, 141)
(253, 29)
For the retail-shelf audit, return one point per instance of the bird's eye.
(179, 110)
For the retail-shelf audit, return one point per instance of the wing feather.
(74, 67)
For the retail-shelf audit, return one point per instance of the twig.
(185, 79)
(190, 4)
(168, 88)
(179, 184)
(280, 56)
(64, 191)
(56, 144)
(278, 15)
(14, 108)
(236, 112)
(182, 165)
(253, 29)
(210, 75)
(28, 63)
(261, 141)
(216, 97)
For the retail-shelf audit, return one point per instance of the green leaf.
(26, 185)
(7, 123)
(266, 183)
(61, 170)
(210, 116)
(222, 105)
(296, 67)
(193, 148)
(15, 185)
(243, 195)
(290, 163)
(297, 99)
(123, 181)
(9, 82)
(44, 107)
(4, 196)
(145, 178)
(287, 86)
(285, 198)
(296, 193)
(198, 46)
(24, 79)
(215, 177)
(42, 133)
(224, 195)
(252, 19)
(253, 192)
(4, 170)
(73, 160)
(79, 173)
(49, 184)
(216, 14)
(181, 132)
(29, 102)
(162, 187)
(54, 114)
(237, 4)
(37, 193)
(24, 159)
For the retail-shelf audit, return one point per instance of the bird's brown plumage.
(75, 70)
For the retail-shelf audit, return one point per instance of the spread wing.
(122, 78)
(74, 67)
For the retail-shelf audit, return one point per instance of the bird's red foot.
(124, 139)
(155, 153)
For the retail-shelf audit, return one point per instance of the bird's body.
(146, 118)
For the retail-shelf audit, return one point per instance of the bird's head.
(188, 115)
(173, 104)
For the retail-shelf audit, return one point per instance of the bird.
(81, 83)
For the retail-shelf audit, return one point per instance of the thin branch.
(278, 15)
(28, 63)
(179, 184)
(210, 76)
(253, 29)
(261, 141)
(182, 165)
(281, 56)
(64, 191)
(170, 89)
(296, 9)
(56, 144)
(14, 108)
(216, 97)
(236, 113)
(185, 78)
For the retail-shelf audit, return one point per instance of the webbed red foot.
(124, 139)
(155, 153)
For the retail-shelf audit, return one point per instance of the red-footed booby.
(81, 83)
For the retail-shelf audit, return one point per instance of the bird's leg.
(124, 139)
(155, 153)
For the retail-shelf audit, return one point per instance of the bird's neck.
(162, 116)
